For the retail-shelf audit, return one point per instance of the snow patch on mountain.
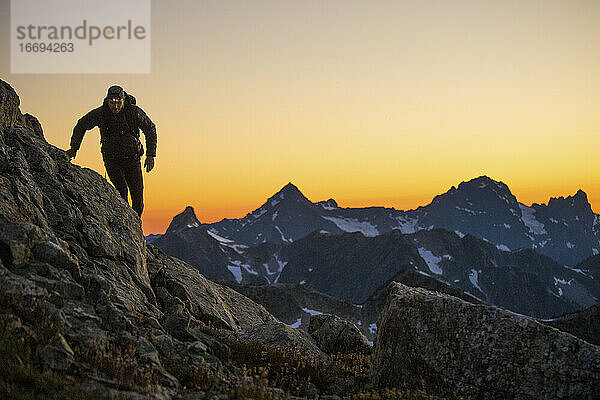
(311, 312)
(281, 266)
(474, 278)
(528, 218)
(217, 237)
(237, 265)
(578, 271)
(373, 328)
(296, 324)
(238, 248)
(503, 247)
(407, 225)
(236, 272)
(431, 260)
(354, 225)
(282, 235)
(561, 281)
(249, 269)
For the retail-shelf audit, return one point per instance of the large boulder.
(447, 346)
(279, 335)
(335, 335)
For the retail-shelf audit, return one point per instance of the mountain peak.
(581, 196)
(185, 219)
(289, 192)
(485, 182)
(578, 201)
(290, 188)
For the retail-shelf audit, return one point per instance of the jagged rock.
(280, 335)
(34, 124)
(9, 105)
(444, 345)
(335, 335)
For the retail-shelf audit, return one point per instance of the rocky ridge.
(88, 310)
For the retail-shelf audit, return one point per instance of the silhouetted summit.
(186, 219)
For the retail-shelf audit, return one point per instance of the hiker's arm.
(149, 129)
(85, 123)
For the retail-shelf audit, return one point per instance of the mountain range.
(565, 229)
(352, 266)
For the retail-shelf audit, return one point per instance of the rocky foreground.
(445, 345)
(88, 310)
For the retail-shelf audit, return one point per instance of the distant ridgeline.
(476, 237)
(566, 229)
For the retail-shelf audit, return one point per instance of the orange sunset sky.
(368, 102)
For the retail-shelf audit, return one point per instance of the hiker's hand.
(149, 163)
(71, 153)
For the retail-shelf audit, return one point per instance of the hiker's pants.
(126, 175)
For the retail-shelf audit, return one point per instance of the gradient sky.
(372, 103)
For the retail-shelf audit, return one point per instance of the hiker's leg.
(135, 181)
(117, 177)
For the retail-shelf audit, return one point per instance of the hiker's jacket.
(119, 133)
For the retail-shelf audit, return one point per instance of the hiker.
(120, 121)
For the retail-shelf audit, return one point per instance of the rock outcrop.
(82, 295)
(335, 335)
(280, 335)
(447, 346)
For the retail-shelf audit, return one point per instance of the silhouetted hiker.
(120, 121)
